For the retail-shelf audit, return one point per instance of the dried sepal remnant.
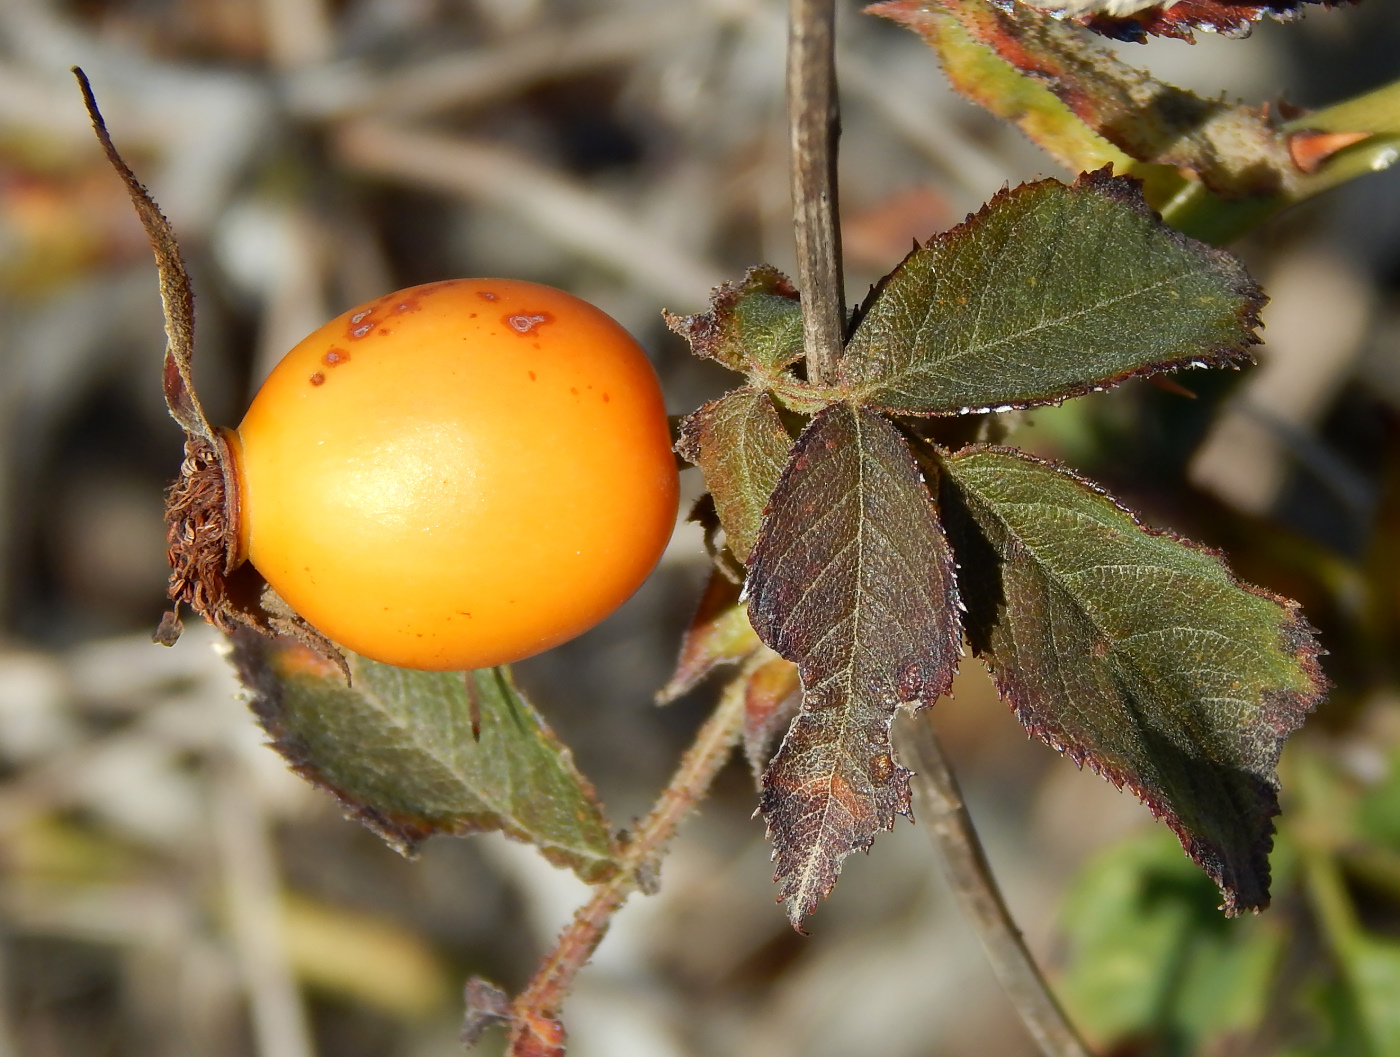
(1050, 291)
(201, 520)
(398, 750)
(175, 294)
(852, 580)
(753, 325)
(740, 444)
(1135, 653)
(201, 511)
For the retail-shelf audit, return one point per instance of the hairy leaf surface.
(852, 579)
(753, 325)
(1050, 291)
(397, 748)
(740, 445)
(1134, 652)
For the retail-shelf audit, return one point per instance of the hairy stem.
(534, 1013)
(814, 128)
(941, 811)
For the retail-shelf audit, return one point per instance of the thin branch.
(535, 1027)
(942, 813)
(280, 1027)
(557, 208)
(814, 128)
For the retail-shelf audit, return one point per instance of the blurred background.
(168, 888)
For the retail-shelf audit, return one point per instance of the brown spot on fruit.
(335, 357)
(318, 378)
(525, 322)
(532, 375)
(606, 398)
(573, 390)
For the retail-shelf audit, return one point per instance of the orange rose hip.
(457, 475)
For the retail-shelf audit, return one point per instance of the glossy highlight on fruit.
(457, 475)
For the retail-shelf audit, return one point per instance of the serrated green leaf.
(1048, 292)
(1134, 652)
(397, 748)
(851, 579)
(753, 325)
(740, 445)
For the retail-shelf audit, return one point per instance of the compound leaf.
(753, 325)
(1048, 292)
(740, 445)
(853, 580)
(1134, 652)
(397, 748)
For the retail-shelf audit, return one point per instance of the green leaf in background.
(1147, 957)
(1135, 653)
(1049, 291)
(740, 445)
(397, 749)
(753, 325)
(852, 579)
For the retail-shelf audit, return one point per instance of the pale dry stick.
(814, 129)
(298, 32)
(482, 75)
(538, 1005)
(940, 810)
(255, 916)
(557, 208)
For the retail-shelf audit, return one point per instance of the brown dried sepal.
(201, 533)
(201, 507)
